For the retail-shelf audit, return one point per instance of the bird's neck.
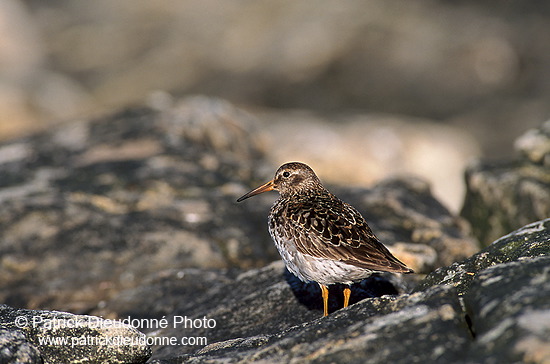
(306, 194)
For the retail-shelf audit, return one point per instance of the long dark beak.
(263, 188)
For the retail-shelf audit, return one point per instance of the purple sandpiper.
(320, 237)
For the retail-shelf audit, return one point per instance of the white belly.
(320, 270)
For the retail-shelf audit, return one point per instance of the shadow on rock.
(309, 294)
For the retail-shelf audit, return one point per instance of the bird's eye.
(286, 174)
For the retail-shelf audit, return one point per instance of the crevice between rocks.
(467, 318)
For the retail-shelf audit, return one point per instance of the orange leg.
(324, 292)
(347, 292)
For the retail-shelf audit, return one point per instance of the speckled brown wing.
(325, 227)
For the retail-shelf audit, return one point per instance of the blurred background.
(358, 89)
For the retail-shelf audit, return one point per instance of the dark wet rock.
(503, 196)
(264, 312)
(509, 306)
(29, 336)
(530, 241)
(497, 316)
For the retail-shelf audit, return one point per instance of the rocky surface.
(490, 308)
(505, 291)
(148, 189)
(499, 315)
(29, 336)
(503, 196)
(133, 216)
(507, 249)
(117, 198)
(377, 330)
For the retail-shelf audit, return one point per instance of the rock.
(377, 330)
(509, 306)
(14, 348)
(118, 198)
(153, 188)
(527, 242)
(28, 336)
(535, 145)
(133, 216)
(265, 315)
(506, 294)
(403, 58)
(261, 306)
(414, 225)
(504, 196)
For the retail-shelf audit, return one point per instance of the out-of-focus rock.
(535, 145)
(153, 188)
(399, 57)
(123, 196)
(20, 56)
(502, 196)
(32, 97)
(413, 59)
(361, 149)
(15, 349)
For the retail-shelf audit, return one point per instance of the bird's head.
(291, 178)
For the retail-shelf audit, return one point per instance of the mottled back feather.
(323, 226)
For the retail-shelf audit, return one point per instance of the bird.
(320, 237)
